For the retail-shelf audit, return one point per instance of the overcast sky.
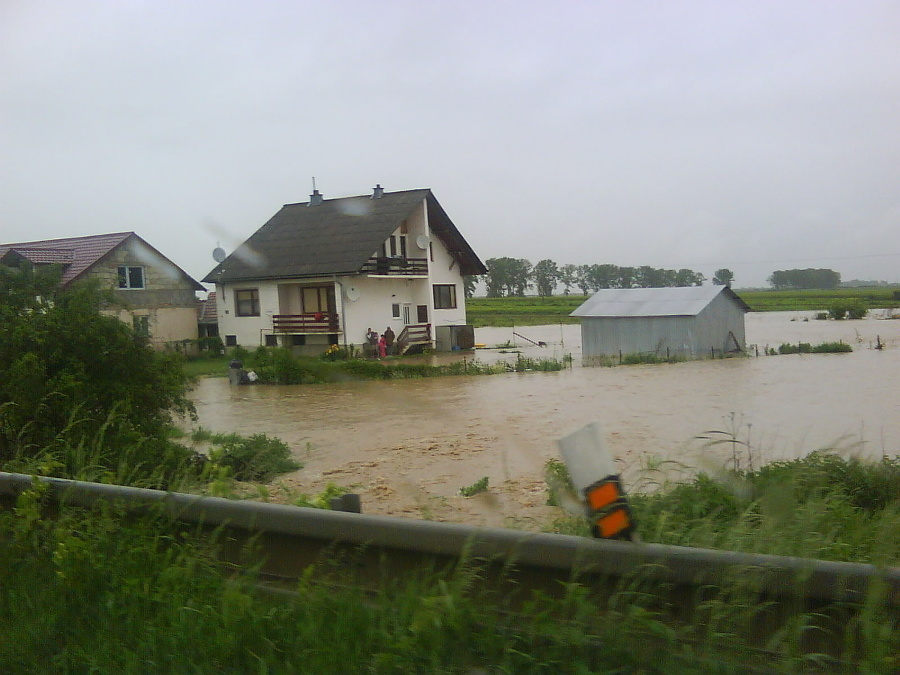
(750, 135)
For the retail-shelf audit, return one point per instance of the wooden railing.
(318, 322)
(417, 335)
(396, 266)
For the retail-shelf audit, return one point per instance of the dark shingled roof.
(337, 236)
(76, 254)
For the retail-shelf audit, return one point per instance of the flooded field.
(408, 446)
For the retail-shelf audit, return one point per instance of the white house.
(323, 272)
(691, 321)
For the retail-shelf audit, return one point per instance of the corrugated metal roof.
(679, 301)
(337, 236)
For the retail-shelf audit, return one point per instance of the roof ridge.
(363, 196)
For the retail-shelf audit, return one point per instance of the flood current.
(409, 445)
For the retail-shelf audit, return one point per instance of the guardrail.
(557, 555)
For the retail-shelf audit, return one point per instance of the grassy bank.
(533, 310)
(279, 366)
(95, 591)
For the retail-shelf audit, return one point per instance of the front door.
(407, 314)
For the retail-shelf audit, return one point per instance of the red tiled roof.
(79, 253)
(208, 313)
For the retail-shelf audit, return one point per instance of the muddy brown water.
(409, 446)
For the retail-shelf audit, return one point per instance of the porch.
(396, 266)
(312, 323)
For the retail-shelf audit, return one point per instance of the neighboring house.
(323, 272)
(208, 317)
(692, 321)
(154, 295)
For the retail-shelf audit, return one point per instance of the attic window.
(131, 277)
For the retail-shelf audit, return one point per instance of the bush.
(72, 378)
(799, 348)
(258, 458)
(832, 348)
(479, 486)
(852, 309)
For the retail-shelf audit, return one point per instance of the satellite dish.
(219, 254)
(422, 241)
(352, 294)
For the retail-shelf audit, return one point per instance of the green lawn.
(534, 310)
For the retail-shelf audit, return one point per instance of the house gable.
(336, 237)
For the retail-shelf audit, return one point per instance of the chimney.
(377, 191)
(315, 198)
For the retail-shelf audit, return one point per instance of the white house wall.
(445, 270)
(247, 329)
(373, 309)
(375, 296)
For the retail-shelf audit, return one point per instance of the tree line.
(803, 279)
(515, 276)
(508, 277)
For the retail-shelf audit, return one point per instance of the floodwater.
(408, 446)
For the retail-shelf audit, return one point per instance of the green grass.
(818, 300)
(96, 591)
(820, 506)
(533, 310)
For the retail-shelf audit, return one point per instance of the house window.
(445, 296)
(395, 246)
(141, 325)
(395, 310)
(231, 340)
(246, 302)
(131, 277)
(271, 340)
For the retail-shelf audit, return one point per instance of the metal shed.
(690, 321)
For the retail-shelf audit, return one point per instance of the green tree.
(469, 283)
(806, 278)
(686, 277)
(507, 276)
(71, 375)
(603, 276)
(545, 274)
(568, 276)
(723, 277)
(583, 278)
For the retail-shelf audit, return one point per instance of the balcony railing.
(298, 324)
(397, 266)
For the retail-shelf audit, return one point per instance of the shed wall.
(689, 336)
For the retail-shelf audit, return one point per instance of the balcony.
(397, 266)
(305, 324)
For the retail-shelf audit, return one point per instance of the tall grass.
(95, 591)
(820, 506)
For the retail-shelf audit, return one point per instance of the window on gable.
(246, 302)
(131, 277)
(445, 296)
(394, 247)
